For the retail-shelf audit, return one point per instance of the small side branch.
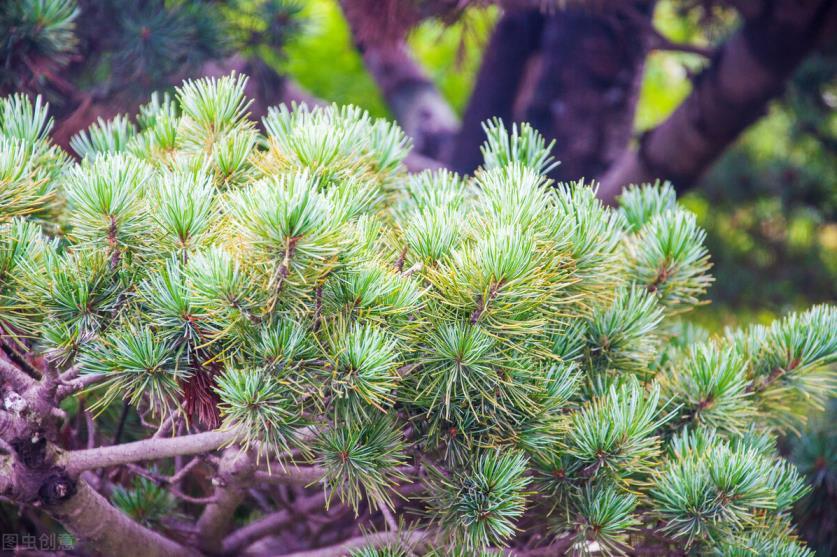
(269, 524)
(294, 475)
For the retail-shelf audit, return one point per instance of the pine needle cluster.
(511, 345)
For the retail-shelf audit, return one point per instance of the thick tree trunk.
(411, 95)
(516, 36)
(748, 71)
(91, 519)
(590, 75)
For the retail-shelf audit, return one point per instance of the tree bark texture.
(234, 475)
(748, 70)
(91, 519)
(515, 38)
(411, 95)
(588, 85)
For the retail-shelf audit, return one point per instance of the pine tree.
(97, 59)
(457, 364)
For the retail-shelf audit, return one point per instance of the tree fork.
(747, 71)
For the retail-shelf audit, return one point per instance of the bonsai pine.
(312, 352)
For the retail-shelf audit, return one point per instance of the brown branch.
(19, 359)
(235, 473)
(269, 524)
(411, 95)
(747, 71)
(67, 388)
(293, 475)
(587, 84)
(107, 530)
(76, 462)
(15, 377)
(514, 40)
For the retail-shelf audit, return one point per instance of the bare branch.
(108, 531)
(269, 524)
(411, 95)
(235, 473)
(296, 475)
(14, 376)
(149, 449)
(67, 388)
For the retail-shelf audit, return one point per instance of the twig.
(117, 436)
(67, 388)
(390, 520)
(269, 524)
(171, 488)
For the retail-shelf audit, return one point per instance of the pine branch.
(747, 71)
(409, 538)
(76, 462)
(270, 524)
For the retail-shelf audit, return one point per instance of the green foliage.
(509, 345)
(477, 506)
(362, 459)
(145, 501)
(814, 452)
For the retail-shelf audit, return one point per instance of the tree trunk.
(590, 75)
(516, 36)
(417, 105)
(91, 519)
(748, 71)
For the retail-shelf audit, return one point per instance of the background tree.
(459, 364)
(97, 59)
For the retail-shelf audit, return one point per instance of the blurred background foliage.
(768, 205)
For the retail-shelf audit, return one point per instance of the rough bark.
(411, 95)
(90, 518)
(748, 70)
(515, 37)
(585, 98)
